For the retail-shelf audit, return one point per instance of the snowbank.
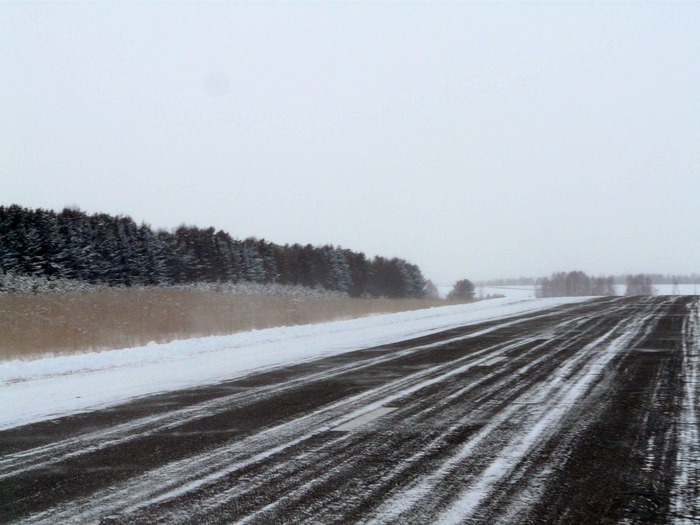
(46, 388)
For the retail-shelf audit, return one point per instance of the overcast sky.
(477, 140)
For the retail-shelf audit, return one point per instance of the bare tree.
(639, 285)
(431, 291)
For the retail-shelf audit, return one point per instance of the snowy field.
(50, 387)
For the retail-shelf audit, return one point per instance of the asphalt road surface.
(583, 414)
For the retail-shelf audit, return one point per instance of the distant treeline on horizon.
(577, 283)
(101, 248)
(656, 278)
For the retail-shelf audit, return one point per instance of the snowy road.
(586, 413)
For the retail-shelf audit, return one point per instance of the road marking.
(365, 418)
(493, 361)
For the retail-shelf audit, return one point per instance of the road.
(585, 413)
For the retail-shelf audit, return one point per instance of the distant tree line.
(462, 290)
(657, 278)
(518, 281)
(114, 250)
(639, 285)
(575, 283)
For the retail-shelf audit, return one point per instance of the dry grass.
(33, 325)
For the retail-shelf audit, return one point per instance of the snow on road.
(46, 388)
(553, 399)
(686, 501)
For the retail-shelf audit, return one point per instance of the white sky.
(476, 140)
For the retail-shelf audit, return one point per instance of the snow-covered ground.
(46, 388)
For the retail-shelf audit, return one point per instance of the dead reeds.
(32, 325)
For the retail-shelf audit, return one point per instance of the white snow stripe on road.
(685, 500)
(493, 361)
(359, 421)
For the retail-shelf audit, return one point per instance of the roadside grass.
(34, 325)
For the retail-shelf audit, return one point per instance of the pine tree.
(115, 250)
(463, 290)
(253, 266)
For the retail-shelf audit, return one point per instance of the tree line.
(101, 248)
(577, 283)
(657, 278)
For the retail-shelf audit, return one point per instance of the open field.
(582, 413)
(36, 324)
